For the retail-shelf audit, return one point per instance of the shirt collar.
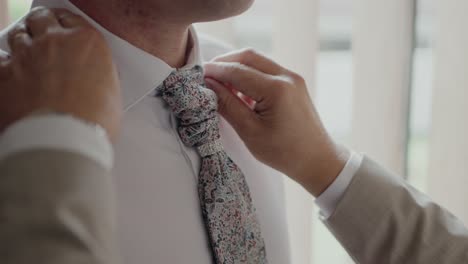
(140, 72)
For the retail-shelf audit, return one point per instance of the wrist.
(320, 169)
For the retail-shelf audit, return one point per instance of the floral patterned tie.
(226, 204)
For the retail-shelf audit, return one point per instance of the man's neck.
(167, 41)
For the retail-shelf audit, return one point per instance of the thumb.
(232, 108)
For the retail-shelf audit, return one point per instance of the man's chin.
(231, 8)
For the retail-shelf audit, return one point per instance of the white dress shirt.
(156, 175)
(329, 199)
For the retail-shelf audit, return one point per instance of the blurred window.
(18, 8)
(421, 99)
(334, 77)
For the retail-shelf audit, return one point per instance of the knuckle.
(70, 18)
(36, 13)
(281, 83)
(234, 68)
(282, 86)
(20, 27)
(39, 10)
(248, 54)
(297, 78)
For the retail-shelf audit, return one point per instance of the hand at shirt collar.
(281, 128)
(58, 63)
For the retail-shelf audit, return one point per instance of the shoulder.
(211, 47)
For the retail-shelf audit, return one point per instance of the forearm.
(381, 219)
(56, 207)
(56, 197)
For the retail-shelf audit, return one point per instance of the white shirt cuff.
(58, 132)
(328, 200)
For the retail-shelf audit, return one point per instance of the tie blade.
(225, 199)
(229, 213)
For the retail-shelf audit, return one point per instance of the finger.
(19, 38)
(252, 59)
(40, 21)
(70, 20)
(249, 81)
(231, 107)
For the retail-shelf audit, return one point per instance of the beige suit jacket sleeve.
(55, 208)
(382, 220)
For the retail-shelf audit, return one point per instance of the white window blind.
(382, 49)
(448, 173)
(295, 43)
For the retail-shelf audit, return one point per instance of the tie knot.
(194, 106)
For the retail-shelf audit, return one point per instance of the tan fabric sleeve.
(55, 208)
(382, 220)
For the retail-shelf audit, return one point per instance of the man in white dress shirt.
(54, 199)
(375, 215)
(156, 175)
